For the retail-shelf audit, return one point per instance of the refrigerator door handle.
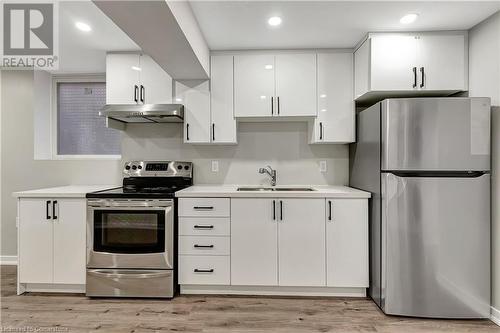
(438, 174)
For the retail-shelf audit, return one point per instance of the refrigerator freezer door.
(451, 134)
(436, 252)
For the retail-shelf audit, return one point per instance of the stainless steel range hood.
(144, 113)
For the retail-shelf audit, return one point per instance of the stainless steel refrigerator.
(426, 162)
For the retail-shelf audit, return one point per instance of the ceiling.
(85, 52)
(233, 25)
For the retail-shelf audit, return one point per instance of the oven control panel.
(158, 169)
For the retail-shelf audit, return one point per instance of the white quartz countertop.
(70, 191)
(320, 191)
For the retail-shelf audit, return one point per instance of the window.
(80, 130)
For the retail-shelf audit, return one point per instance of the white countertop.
(70, 191)
(320, 191)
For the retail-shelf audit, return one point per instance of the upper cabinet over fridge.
(410, 64)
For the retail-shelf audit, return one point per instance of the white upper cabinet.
(136, 79)
(221, 100)
(195, 95)
(295, 85)
(275, 85)
(254, 85)
(335, 120)
(406, 64)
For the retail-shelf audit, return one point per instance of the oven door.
(130, 234)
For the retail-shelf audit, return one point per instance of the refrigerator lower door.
(436, 246)
(449, 134)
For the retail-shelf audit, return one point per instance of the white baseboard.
(8, 260)
(495, 316)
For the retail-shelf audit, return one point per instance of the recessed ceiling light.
(83, 26)
(178, 99)
(408, 18)
(135, 68)
(268, 66)
(274, 21)
(322, 96)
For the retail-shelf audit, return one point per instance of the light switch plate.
(215, 166)
(322, 166)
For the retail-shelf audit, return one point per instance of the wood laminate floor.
(76, 313)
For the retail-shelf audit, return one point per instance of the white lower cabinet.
(347, 242)
(52, 240)
(204, 270)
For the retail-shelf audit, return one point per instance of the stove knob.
(179, 167)
(139, 167)
(127, 167)
(134, 167)
(186, 167)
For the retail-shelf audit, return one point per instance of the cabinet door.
(156, 82)
(296, 85)
(393, 58)
(254, 86)
(122, 78)
(301, 238)
(443, 58)
(347, 242)
(35, 241)
(335, 121)
(195, 96)
(221, 100)
(69, 241)
(254, 242)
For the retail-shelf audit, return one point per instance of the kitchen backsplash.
(284, 146)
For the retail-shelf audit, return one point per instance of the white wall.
(19, 171)
(282, 145)
(484, 80)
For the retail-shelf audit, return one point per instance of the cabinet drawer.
(204, 245)
(204, 207)
(204, 226)
(204, 270)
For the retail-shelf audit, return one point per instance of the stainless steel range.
(131, 232)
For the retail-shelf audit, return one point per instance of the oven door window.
(122, 231)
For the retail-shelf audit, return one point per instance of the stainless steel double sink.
(257, 189)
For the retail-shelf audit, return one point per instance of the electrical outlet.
(215, 166)
(322, 166)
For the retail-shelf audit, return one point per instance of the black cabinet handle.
(187, 132)
(281, 210)
(414, 77)
(143, 94)
(329, 210)
(272, 105)
(203, 207)
(203, 226)
(47, 210)
(274, 210)
(136, 90)
(213, 131)
(278, 102)
(196, 270)
(321, 131)
(54, 216)
(423, 74)
(203, 246)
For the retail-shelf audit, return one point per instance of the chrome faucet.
(271, 172)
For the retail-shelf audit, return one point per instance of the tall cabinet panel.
(35, 241)
(296, 84)
(301, 249)
(254, 85)
(221, 100)
(254, 250)
(335, 120)
(195, 96)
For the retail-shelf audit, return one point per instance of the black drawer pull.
(203, 226)
(196, 270)
(203, 207)
(54, 216)
(47, 210)
(203, 246)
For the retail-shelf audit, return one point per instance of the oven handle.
(129, 207)
(131, 274)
